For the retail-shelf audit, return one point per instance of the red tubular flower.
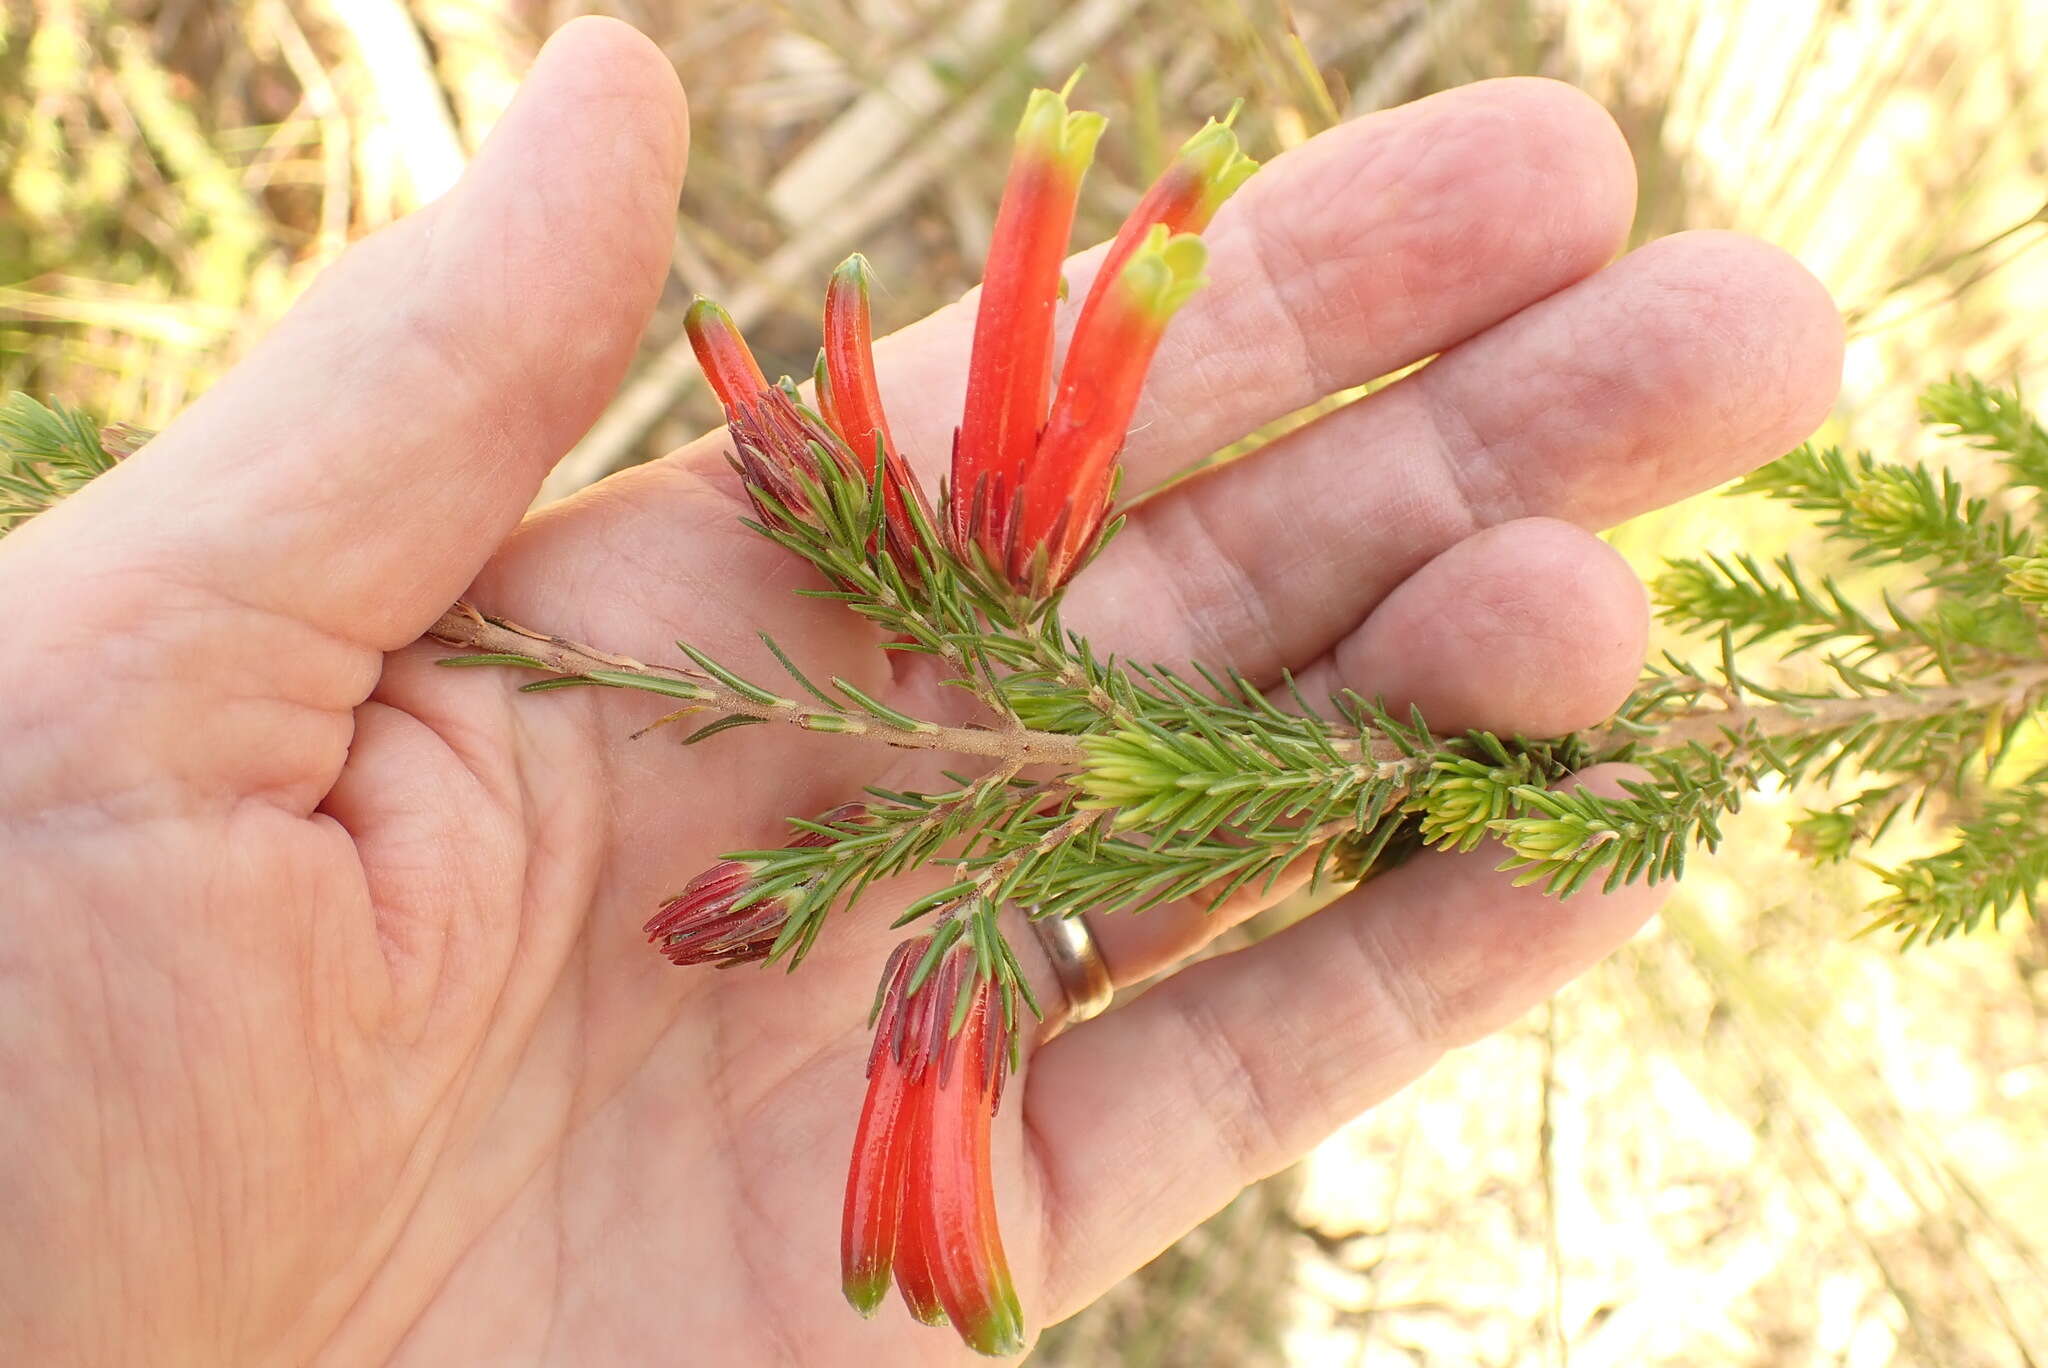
(1064, 495)
(1030, 489)
(1030, 492)
(723, 354)
(1009, 370)
(716, 920)
(951, 1173)
(852, 404)
(1033, 471)
(1206, 171)
(920, 1191)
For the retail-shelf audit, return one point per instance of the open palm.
(326, 1026)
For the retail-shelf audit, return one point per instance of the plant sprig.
(1108, 784)
(1172, 784)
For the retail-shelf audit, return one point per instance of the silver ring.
(1078, 965)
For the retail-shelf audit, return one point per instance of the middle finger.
(1688, 362)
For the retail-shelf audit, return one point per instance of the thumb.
(219, 602)
(357, 469)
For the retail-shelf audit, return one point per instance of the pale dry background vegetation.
(1746, 1140)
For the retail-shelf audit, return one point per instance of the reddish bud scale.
(777, 448)
(704, 923)
(700, 926)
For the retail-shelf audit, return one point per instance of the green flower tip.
(854, 271)
(1164, 272)
(704, 314)
(866, 1290)
(1214, 157)
(1065, 138)
(995, 1334)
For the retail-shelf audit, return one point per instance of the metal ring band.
(1078, 965)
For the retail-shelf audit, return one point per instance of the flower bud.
(724, 917)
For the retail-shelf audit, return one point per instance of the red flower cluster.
(1031, 489)
(1033, 473)
(1034, 464)
(920, 1194)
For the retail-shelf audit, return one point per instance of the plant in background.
(47, 453)
(1092, 784)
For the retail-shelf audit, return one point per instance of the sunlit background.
(1749, 1139)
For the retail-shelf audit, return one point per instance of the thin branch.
(998, 872)
(463, 625)
(1728, 729)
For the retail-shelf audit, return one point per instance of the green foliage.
(1463, 799)
(1994, 420)
(1926, 697)
(1198, 785)
(1999, 862)
(1262, 778)
(892, 834)
(1760, 603)
(1883, 510)
(46, 452)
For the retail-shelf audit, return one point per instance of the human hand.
(326, 1023)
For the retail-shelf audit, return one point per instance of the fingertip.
(1573, 139)
(1533, 627)
(396, 423)
(601, 115)
(1765, 338)
(626, 62)
(1809, 338)
(1546, 161)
